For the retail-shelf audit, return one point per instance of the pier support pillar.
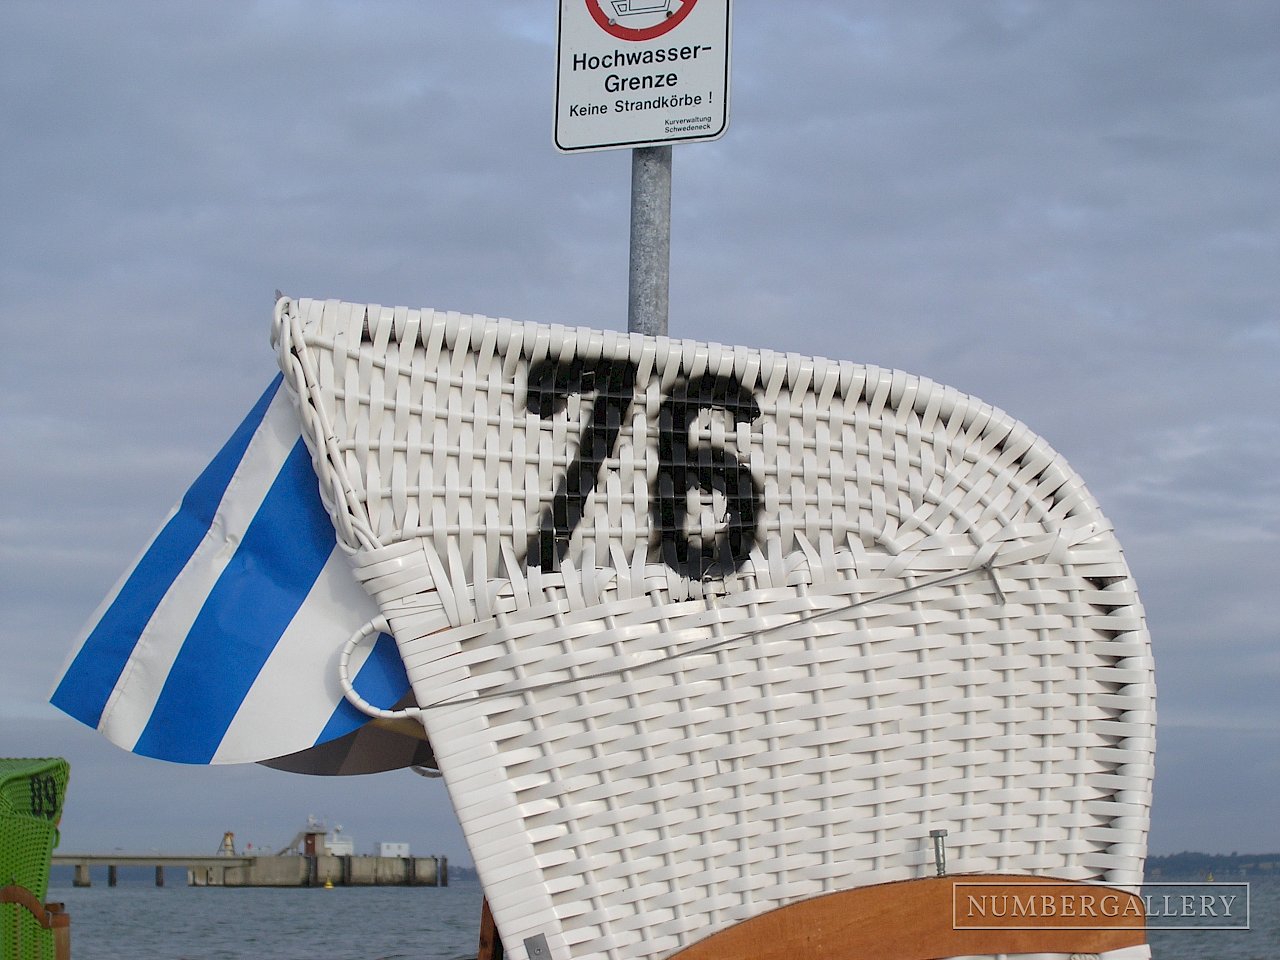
(159, 875)
(81, 877)
(442, 873)
(112, 874)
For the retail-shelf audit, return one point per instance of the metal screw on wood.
(939, 850)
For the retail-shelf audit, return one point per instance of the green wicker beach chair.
(31, 795)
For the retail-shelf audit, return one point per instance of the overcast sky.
(1067, 208)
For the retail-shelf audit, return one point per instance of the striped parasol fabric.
(220, 644)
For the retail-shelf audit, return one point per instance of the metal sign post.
(643, 74)
(650, 275)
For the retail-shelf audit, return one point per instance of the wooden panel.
(928, 919)
(490, 942)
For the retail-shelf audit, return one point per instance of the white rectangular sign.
(635, 73)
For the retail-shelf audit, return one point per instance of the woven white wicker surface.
(704, 630)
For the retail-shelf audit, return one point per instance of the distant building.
(338, 844)
(398, 850)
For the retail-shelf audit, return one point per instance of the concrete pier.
(270, 871)
(317, 871)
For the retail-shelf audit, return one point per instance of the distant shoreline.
(1218, 866)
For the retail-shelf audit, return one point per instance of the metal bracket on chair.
(536, 947)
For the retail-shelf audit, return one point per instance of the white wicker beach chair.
(702, 631)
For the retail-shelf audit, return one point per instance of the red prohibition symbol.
(651, 18)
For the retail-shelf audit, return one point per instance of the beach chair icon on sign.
(633, 8)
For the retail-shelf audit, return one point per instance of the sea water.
(1260, 942)
(138, 921)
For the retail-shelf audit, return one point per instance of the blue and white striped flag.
(220, 644)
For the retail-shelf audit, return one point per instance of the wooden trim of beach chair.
(50, 916)
(933, 918)
(490, 943)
